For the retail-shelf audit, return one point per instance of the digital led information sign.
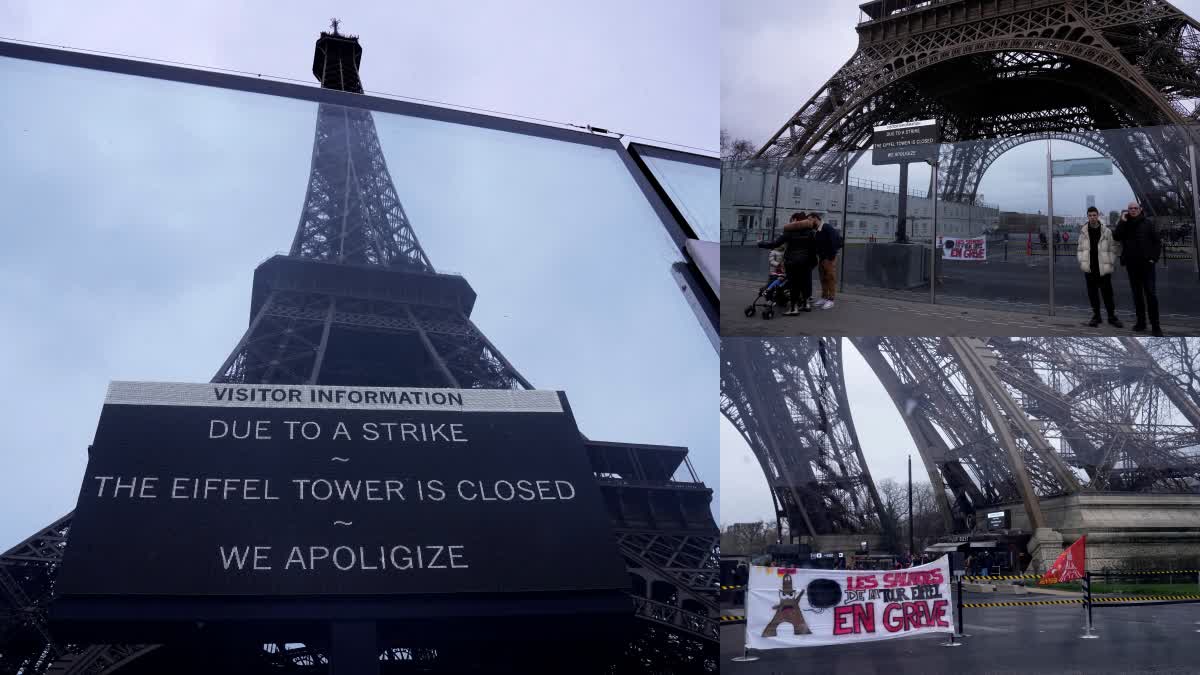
(281, 490)
(905, 142)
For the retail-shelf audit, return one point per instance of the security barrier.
(1141, 573)
(1024, 603)
(1088, 601)
(1003, 577)
(1145, 598)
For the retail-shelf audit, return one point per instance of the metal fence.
(1023, 219)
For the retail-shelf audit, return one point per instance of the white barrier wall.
(748, 202)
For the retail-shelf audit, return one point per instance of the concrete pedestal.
(1044, 547)
(898, 266)
(1124, 531)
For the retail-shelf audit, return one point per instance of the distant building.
(1091, 201)
(1015, 222)
(749, 206)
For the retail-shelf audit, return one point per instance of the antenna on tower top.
(334, 22)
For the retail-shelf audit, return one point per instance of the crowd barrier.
(1024, 603)
(1088, 601)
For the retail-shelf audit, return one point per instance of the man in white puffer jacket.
(1096, 256)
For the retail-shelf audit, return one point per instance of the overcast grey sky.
(766, 77)
(139, 209)
(885, 441)
(646, 68)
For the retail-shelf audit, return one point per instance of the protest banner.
(963, 248)
(790, 607)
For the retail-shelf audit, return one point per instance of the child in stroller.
(775, 291)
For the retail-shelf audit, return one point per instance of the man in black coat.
(1141, 247)
(798, 260)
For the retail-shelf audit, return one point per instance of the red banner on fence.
(1070, 565)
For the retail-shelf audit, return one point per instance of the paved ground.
(878, 314)
(1018, 288)
(859, 314)
(1154, 639)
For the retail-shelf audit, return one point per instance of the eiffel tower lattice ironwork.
(1006, 73)
(994, 421)
(357, 301)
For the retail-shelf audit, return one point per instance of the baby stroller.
(774, 292)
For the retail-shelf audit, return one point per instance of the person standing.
(829, 242)
(1096, 259)
(799, 259)
(1140, 250)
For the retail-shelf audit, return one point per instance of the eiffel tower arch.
(991, 70)
(357, 301)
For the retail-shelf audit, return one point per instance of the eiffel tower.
(1003, 73)
(994, 420)
(357, 301)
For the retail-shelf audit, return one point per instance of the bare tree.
(893, 497)
(737, 149)
(747, 538)
(927, 523)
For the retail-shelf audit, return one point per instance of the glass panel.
(1151, 169)
(879, 258)
(758, 199)
(994, 191)
(693, 188)
(747, 199)
(139, 208)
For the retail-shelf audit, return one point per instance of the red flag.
(1069, 566)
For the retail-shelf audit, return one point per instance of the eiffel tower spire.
(351, 212)
(382, 316)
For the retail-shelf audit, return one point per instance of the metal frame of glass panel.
(639, 151)
(667, 213)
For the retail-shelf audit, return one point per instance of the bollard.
(1087, 607)
(959, 614)
(745, 657)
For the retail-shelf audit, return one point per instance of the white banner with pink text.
(791, 607)
(963, 248)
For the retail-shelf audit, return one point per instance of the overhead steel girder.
(1049, 28)
(1146, 47)
(1117, 411)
